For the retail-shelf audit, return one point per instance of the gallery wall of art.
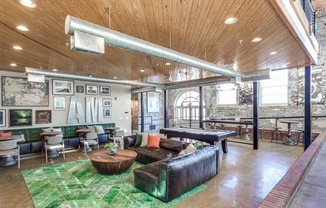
(30, 104)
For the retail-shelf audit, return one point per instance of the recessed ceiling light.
(273, 53)
(115, 77)
(22, 28)
(142, 70)
(167, 63)
(255, 40)
(17, 48)
(13, 64)
(89, 75)
(54, 70)
(230, 20)
(28, 3)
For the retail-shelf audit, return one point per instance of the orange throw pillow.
(5, 133)
(153, 141)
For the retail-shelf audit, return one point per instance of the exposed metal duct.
(198, 82)
(29, 70)
(117, 39)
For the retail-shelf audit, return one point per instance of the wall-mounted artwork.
(91, 89)
(107, 102)
(105, 90)
(62, 87)
(43, 116)
(21, 117)
(316, 88)
(80, 89)
(153, 102)
(59, 103)
(106, 113)
(19, 92)
(2, 117)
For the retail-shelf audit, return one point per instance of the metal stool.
(277, 133)
(239, 130)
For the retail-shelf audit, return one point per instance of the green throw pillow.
(138, 139)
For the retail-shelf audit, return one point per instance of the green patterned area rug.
(77, 184)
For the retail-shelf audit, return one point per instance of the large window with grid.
(275, 90)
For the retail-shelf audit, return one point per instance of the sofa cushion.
(99, 129)
(171, 145)
(5, 133)
(190, 148)
(153, 141)
(144, 140)
(147, 155)
(138, 139)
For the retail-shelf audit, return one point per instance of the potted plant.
(112, 148)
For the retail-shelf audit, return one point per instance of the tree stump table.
(107, 164)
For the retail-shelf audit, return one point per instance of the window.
(275, 90)
(226, 94)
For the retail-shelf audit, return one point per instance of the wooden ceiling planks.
(195, 28)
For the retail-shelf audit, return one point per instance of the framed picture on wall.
(106, 112)
(59, 103)
(80, 89)
(91, 89)
(62, 87)
(2, 117)
(20, 117)
(43, 116)
(107, 102)
(105, 90)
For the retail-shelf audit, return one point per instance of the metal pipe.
(117, 39)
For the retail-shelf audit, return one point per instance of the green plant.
(110, 145)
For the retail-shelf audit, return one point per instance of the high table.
(245, 122)
(289, 140)
(52, 152)
(209, 136)
(8, 159)
(112, 130)
(82, 133)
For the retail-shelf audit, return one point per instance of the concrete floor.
(246, 176)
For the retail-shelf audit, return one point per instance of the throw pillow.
(92, 128)
(153, 141)
(144, 140)
(47, 130)
(5, 133)
(57, 130)
(190, 148)
(99, 130)
(138, 139)
(183, 152)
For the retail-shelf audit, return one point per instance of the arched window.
(186, 108)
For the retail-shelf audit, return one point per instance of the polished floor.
(246, 176)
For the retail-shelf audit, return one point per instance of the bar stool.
(276, 133)
(239, 130)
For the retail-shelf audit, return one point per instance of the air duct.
(53, 74)
(117, 39)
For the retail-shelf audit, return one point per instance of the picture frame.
(80, 89)
(107, 102)
(62, 87)
(107, 112)
(43, 116)
(2, 117)
(20, 117)
(153, 102)
(105, 90)
(17, 91)
(91, 89)
(59, 103)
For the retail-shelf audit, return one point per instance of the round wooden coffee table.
(116, 164)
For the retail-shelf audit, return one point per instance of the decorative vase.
(113, 150)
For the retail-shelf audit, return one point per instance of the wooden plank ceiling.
(191, 27)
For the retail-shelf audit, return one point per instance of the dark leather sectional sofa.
(167, 175)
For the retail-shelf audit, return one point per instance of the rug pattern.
(77, 184)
